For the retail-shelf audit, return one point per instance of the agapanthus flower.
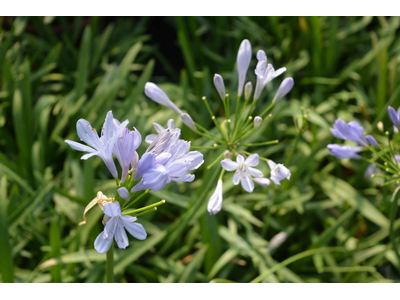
(244, 170)
(157, 169)
(265, 73)
(150, 138)
(278, 172)
(102, 147)
(344, 151)
(215, 203)
(394, 116)
(125, 149)
(158, 95)
(351, 131)
(115, 229)
(243, 62)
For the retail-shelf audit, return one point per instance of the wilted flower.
(158, 95)
(102, 147)
(278, 172)
(243, 170)
(285, 87)
(344, 151)
(115, 229)
(215, 203)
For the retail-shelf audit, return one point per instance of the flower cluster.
(383, 154)
(168, 158)
(235, 128)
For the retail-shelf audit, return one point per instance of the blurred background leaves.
(332, 223)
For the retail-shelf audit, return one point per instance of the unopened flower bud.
(257, 121)
(124, 193)
(219, 85)
(243, 62)
(248, 89)
(372, 141)
(284, 89)
(380, 126)
(188, 121)
(158, 95)
(264, 182)
(227, 154)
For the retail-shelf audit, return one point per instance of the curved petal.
(140, 186)
(101, 244)
(247, 183)
(146, 163)
(240, 159)
(254, 172)
(170, 124)
(88, 134)
(79, 146)
(271, 164)
(135, 229)
(158, 127)
(185, 178)
(229, 165)
(120, 237)
(252, 160)
(112, 209)
(150, 138)
(89, 155)
(111, 226)
(236, 178)
(108, 127)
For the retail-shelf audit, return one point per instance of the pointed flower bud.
(227, 154)
(243, 63)
(158, 95)
(124, 193)
(394, 116)
(372, 141)
(215, 203)
(257, 121)
(264, 182)
(220, 86)
(248, 89)
(188, 121)
(284, 89)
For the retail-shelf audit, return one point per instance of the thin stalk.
(393, 212)
(296, 141)
(262, 144)
(131, 202)
(267, 109)
(236, 113)
(110, 264)
(214, 137)
(216, 160)
(134, 211)
(146, 212)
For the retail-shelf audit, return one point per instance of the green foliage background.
(55, 70)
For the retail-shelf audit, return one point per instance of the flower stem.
(393, 212)
(110, 264)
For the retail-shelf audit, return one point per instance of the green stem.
(294, 258)
(110, 264)
(134, 211)
(393, 211)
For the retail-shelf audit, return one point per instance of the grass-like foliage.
(327, 224)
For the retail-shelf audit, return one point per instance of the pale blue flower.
(243, 62)
(372, 141)
(285, 87)
(159, 169)
(370, 170)
(351, 131)
(215, 203)
(394, 116)
(244, 170)
(158, 95)
(344, 151)
(278, 172)
(125, 149)
(102, 147)
(150, 138)
(264, 182)
(124, 193)
(188, 121)
(115, 229)
(219, 86)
